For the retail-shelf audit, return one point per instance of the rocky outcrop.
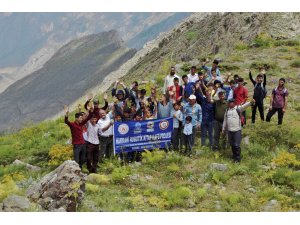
(62, 188)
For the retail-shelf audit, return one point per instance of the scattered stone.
(264, 167)
(46, 134)
(207, 186)
(218, 205)
(194, 62)
(15, 203)
(64, 187)
(271, 206)
(61, 209)
(28, 166)
(252, 190)
(148, 177)
(218, 166)
(297, 193)
(191, 203)
(199, 152)
(134, 177)
(25, 183)
(246, 140)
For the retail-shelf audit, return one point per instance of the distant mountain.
(76, 67)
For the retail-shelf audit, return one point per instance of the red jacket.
(240, 95)
(77, 130)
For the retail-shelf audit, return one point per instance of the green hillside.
(270, 168)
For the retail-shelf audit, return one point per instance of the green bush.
(263, 40)
(296, 64)
(191, 35)
(154, 158)
(119, 175)
(257, 65)
(287, 43)
(286, 176)
(240, 45)
(179, 196)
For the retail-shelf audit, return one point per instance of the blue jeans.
(207, 130)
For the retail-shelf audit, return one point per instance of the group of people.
(201, 100)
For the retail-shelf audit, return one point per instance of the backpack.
(264, 90)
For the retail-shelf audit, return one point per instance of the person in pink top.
(240, 95)
(278, 101)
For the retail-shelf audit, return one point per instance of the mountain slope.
(76, 67)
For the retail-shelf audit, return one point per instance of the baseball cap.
(192, 97)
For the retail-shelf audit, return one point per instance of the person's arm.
(265, 80)
(243, 107)
(106, 127)
(88, 117)
(251, 78)
(66, 116)
(285, 102)
(180, 116)
(114, 90)
(246, 95)
(199, 117)
(271, 99)
(224, 128)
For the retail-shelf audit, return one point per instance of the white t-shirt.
(103, 123)
(92, 133)
(193, 78)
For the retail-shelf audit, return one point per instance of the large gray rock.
(62, 188)
(15, 203)
(28, 166)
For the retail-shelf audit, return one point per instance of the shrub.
(287, 43)
(60, 153)
(178, 196)
(186, 67)
(285, 159)
(191, 35)
(98, 179)
(240, 45)
(173, 168)
(8, 187)
(201, 193)
(285, 176)
(153, 158)
(158, 202)
(263, 40)
(91, 188)
(296, 64)
(257, 65)
(119, 175)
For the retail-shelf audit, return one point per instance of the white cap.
(192, 97)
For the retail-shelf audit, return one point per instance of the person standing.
(194, 110)
(78, 142)
(220, 107)
(92, 144)
(213, 68)
(177, 126)
(278, 101)
(188, 135)
(232, 125)
(170, 79)
(240, 95)
(105, 134)
(192, 77)
(259, 94)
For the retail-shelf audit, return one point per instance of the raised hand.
(66, 109)
(90, 96)
(105, 96)
(79, 107)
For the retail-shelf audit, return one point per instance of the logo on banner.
(150, 126)
(164, 124)
(137, 128)
(123, 129)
